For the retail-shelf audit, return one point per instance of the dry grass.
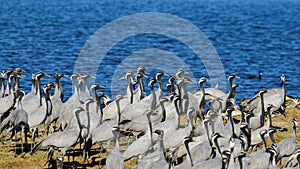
(8, 161)
(38, 160)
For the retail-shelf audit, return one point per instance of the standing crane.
(62, 140)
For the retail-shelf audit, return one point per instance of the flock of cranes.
(166, 126)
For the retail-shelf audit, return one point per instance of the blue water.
(249, 37)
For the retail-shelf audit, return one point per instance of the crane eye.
(266, 120)
(225, 120)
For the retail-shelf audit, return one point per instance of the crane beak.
(283, 130)
(190, 80)
(101, 87)
(122, 78)
(50, 84)
(93, 77)
(80, 81)
(21, 76)
(144, 74)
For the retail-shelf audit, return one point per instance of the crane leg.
(68, 155)
(80, 143)
(60, 162)
(73, 154)
(22, 141)
(25, 136)
(15, 155)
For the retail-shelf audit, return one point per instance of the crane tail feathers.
(36, 147)
(5, 124)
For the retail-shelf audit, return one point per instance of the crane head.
(160, 74)
(151, 83)
(271, 131)
(282, 78)
(171, 79)
(97, 86)
(225, 120)
(159, 132)
(202, 80)
(141, 69)
(115, 129)
(127, 76)
(181, 72)
(295, 122)
(42, 74)
(242, 155)
(227, 153)
(216, 136)
(9, 71)
(58, 75)
(233, 76)
(262, 133)
(263, 91)
(270, 106)
(77, 110)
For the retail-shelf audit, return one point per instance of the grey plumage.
(32, 101)
(115, 158)
(62, 140)
(66, 114)
(39, 115)
(274, 96)
(293, 161)
(157, 158)
(175, 138)
(8, 101)
(262, 159)
(141, 145)
(17, 118)
(215, 162)
(139, 108)
(287, 146)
